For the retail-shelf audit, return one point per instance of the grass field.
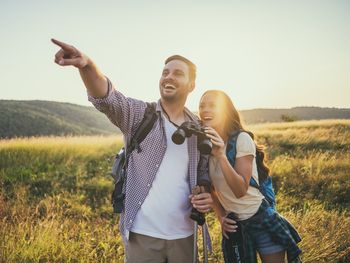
(55, 194)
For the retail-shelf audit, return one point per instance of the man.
(155, 225)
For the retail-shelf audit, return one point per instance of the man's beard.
(173, 91)
(169, 97)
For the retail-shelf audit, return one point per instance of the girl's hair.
(233, 124)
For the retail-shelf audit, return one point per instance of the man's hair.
(192, 67)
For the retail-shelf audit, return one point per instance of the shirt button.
(157, 165)
(130, 221)
(148, 185)
(139, 203)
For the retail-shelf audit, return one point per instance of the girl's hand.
(228, 225)
(218, 143)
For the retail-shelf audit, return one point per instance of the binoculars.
(188, 128)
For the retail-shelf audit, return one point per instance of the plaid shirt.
(265, 220)
(127, 113)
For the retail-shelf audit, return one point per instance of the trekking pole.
(199, 219)
(195, 237)
(205, 251)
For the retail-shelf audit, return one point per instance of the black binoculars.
(188, 128)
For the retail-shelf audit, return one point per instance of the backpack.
(121, 159)
(265, 185)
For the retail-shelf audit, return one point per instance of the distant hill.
(40, 118)
(297, 113)
(43, 118)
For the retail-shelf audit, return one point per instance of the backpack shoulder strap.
(144, 128)
(231, 152)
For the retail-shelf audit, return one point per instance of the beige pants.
(144, 249)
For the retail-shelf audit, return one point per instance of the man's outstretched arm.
(95, 82)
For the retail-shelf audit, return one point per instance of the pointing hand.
(69, 55)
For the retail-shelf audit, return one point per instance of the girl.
(263, 229)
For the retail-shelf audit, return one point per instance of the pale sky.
(264, 54)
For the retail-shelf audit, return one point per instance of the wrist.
(221, 156)
(88, 62)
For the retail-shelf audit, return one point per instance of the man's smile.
(169, 86)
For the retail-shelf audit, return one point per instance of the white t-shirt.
(247, 205)
(166, 210)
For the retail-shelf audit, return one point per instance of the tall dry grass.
(55, 194)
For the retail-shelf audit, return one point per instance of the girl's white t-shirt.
(248, 205)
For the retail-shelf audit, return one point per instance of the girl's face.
(211, 110)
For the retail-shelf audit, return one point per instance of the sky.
(263, 54)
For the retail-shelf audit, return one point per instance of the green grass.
(55, 194)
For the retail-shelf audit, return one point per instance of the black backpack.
(121, 159)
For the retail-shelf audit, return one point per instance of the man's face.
(175, 83)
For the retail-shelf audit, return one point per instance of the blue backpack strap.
(266, 189)
(231, 152)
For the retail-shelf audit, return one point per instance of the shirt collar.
(189, 116)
